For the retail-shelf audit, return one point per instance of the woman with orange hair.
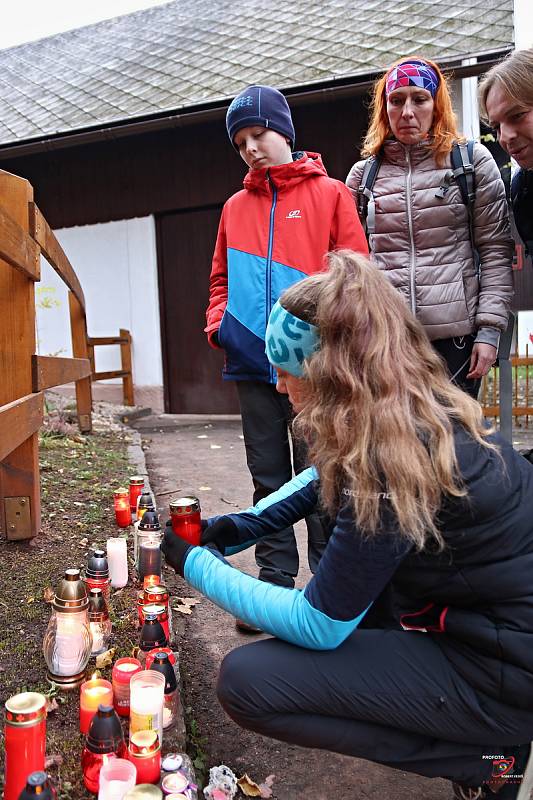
(450, 256)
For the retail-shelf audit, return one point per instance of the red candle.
(122, 507)
(151, 580)
(145, 752)
(93, 693)
(123, 671)
(185, 517)
(25, 738)
(136, 488)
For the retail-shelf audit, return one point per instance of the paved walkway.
(206, 457)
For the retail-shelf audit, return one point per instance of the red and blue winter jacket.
(272, 234)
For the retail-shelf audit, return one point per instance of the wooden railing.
(522, 390)
(24, 237)
(124, 340)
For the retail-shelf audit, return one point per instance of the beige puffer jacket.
(423, 242)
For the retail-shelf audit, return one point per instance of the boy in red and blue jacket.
(272, 234)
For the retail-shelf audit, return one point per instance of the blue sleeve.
(295, 500)
(352, 573)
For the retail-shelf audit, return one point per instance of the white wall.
(523, 24)
(116, 264)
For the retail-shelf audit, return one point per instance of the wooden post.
(80, 349)
(19, 471)
(125, 362)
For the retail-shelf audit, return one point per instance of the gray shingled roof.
(186, 53)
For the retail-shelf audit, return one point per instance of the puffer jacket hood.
(422, 240)
(305, 166)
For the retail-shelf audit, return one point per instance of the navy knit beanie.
(260, 105)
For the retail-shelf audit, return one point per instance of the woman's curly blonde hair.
(378, 406)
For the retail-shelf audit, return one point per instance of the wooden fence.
(522, 390)
(24, 236)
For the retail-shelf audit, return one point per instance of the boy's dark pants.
(388, 696)
(266, 417)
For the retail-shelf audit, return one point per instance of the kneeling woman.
(411, 646)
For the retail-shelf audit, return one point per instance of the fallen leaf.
(229, 502)
(51, 704)
(53, 761)
(185, 604)
(105, 659)
(204, 488)
(30, 600)
(202, 436)
(249, 787)
(48, 595)
(190, 601)
(215, 447)
(135, 651)
(266, 787)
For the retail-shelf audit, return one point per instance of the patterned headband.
(412, 73)
(289, 340)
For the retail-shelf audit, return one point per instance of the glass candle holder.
(25, 739)
(171, 703)
(67, 642)
(123, 671)
(117, 777)
(117, 556)
(93, 693)
(136, 487)
(147, 694)
(97, 574)
(38, 785)
(175, 782)
(145, 791)
(104, 741)
(145, 502)
(99, 622)
(161, 615)
(149, 558)
(121, 503)
(144, 750)
(186, 520)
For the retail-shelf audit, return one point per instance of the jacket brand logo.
(296, 214)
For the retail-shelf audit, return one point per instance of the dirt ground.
(209, 461)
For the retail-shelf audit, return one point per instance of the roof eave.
(312, 91)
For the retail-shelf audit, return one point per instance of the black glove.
(221, 534)
(174, 548)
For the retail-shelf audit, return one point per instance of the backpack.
(462, 158)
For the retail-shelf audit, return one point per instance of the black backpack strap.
(462, 158)
(365, 198)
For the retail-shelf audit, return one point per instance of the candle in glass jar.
(121, 502)
(25, 737)
(149, 561)
(93, 693)
(144, 751)
(136, 487)
(123, 671)
(147, 693)
(117, 556)
(186, 520)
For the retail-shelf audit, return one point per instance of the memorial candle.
(25, 736)
(123, 671)
(144, 751)
(136, 487)
(117, 556)
(121, 502)
(94, 692)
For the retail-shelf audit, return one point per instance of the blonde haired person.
(411, 646)
(451, 259)
(506, 99)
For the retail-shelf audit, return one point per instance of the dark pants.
(266, 417)
(384, 695)
(456, 352)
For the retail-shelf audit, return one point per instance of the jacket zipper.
(268, 304)
(412, 283)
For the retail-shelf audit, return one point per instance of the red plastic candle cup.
(121, 502)
(136, 488)
(123, 671)
(151, 580)
(185, 518)
(25, 739)
(93, 693)
(144, 751)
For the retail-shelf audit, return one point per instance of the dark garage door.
(192, 369)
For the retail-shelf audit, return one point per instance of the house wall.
(116, 264)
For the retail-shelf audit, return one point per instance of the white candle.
(117, 557)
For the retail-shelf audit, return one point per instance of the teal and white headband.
(289, 340)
